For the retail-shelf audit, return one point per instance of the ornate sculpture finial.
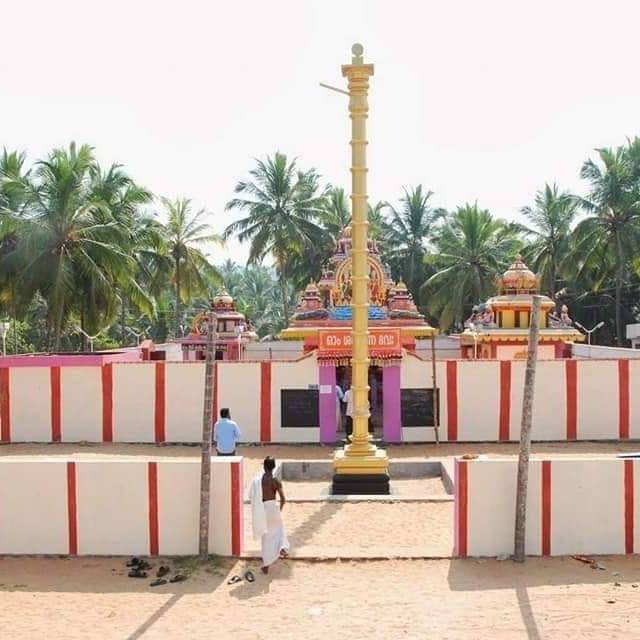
(357, 50)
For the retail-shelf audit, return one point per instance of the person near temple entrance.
(339, 402)
(266, 515)
(348, 399)
(226, 434)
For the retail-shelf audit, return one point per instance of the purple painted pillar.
(327, 409)
(391, 427)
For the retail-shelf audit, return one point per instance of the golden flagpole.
(360, 467)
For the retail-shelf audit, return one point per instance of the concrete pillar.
(327, 409)
(391, 417)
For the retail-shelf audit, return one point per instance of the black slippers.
(179, 577)
(140, 567)
(163, 571)
(158, 582)
(249, 577)
(137, 573)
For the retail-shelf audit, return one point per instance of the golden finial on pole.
(360, 467)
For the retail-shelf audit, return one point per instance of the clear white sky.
(476, 100)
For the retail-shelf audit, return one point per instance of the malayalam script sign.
(342, 340)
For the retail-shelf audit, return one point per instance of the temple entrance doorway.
(376, 398)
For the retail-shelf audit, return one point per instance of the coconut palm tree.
(74, 251)
(125, 200)
(551, 216)
(13, 182)
(185, 237)
(282, 205)
(408, 231)
(335, 213)
(471, 249)
(613, 220)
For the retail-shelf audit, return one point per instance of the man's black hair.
(269, 463)
(225, 413)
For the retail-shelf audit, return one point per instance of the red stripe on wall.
(160, 403)
(571, 377)
(623, 399)
(235, 509)
(546, 507)
(452, 400)
(5, 406)
(56, 412)
(505, 400)
(72, 509)
(463, 500)
(265, 402)
(107, 403)
(629, 531)
(152, 473)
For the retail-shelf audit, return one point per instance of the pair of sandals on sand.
(248, 576)
(140, 567)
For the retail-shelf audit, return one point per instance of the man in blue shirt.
(226, 434)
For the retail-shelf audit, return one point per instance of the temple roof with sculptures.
(327, 303)
(507, 314)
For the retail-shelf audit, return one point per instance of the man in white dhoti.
(266, 517)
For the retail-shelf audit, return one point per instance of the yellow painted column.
(361, 455)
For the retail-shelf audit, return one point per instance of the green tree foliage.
(282, 205)
(471, 249)
(407, 233)
(77, 246)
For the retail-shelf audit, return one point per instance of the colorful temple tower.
(322, 318)
(499, 328)
(234, 331)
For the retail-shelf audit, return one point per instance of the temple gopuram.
(234, 331)
(322, 318)
(499, 328)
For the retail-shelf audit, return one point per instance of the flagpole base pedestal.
(360, 474)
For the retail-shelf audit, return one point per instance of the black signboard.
(416, 407)
(299, 408)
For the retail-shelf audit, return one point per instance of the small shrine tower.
(499, 328)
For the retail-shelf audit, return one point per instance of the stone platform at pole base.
(355, 474)
(360, 484)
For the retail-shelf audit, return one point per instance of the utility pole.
(525, 433)
(205, 463)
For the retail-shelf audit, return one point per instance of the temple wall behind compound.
(163, 401)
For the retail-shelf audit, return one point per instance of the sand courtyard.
(384, 568)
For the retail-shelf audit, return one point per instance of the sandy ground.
(401, 488)
(410, 600)
(391, 530)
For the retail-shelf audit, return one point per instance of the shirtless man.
(274, 542)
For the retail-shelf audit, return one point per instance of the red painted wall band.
(629, 531)
(72, 509)
(265, 402)
(236, 506)
(452, 400)
(623, 399)
(571, 377)
(462, 510)
(152, 473)
(5, 406)
(160, 406)
(546, 507)
(505, 400)
(107, 403)
(56, 409)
